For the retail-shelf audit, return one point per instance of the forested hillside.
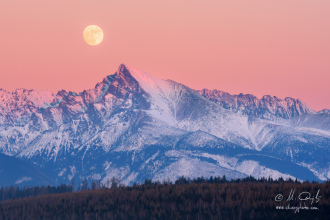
(214, 198)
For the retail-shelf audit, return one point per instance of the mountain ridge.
(268, 107)
(245, 103)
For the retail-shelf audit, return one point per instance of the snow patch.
(23, 179)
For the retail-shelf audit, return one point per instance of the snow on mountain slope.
(182, 107)
(190, 112)
(161, 94)
(130, 124)
(319, 121)
(194, 168)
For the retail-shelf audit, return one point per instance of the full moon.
(93, 35)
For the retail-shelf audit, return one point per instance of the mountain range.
(134, 126)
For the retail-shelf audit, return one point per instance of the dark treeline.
(212, 198)
(14, 192)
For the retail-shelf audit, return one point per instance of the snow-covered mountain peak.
(162, 94)
(147, 82)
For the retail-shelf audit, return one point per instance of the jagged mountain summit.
(134, 126)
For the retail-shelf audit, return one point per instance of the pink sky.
(259, 47)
